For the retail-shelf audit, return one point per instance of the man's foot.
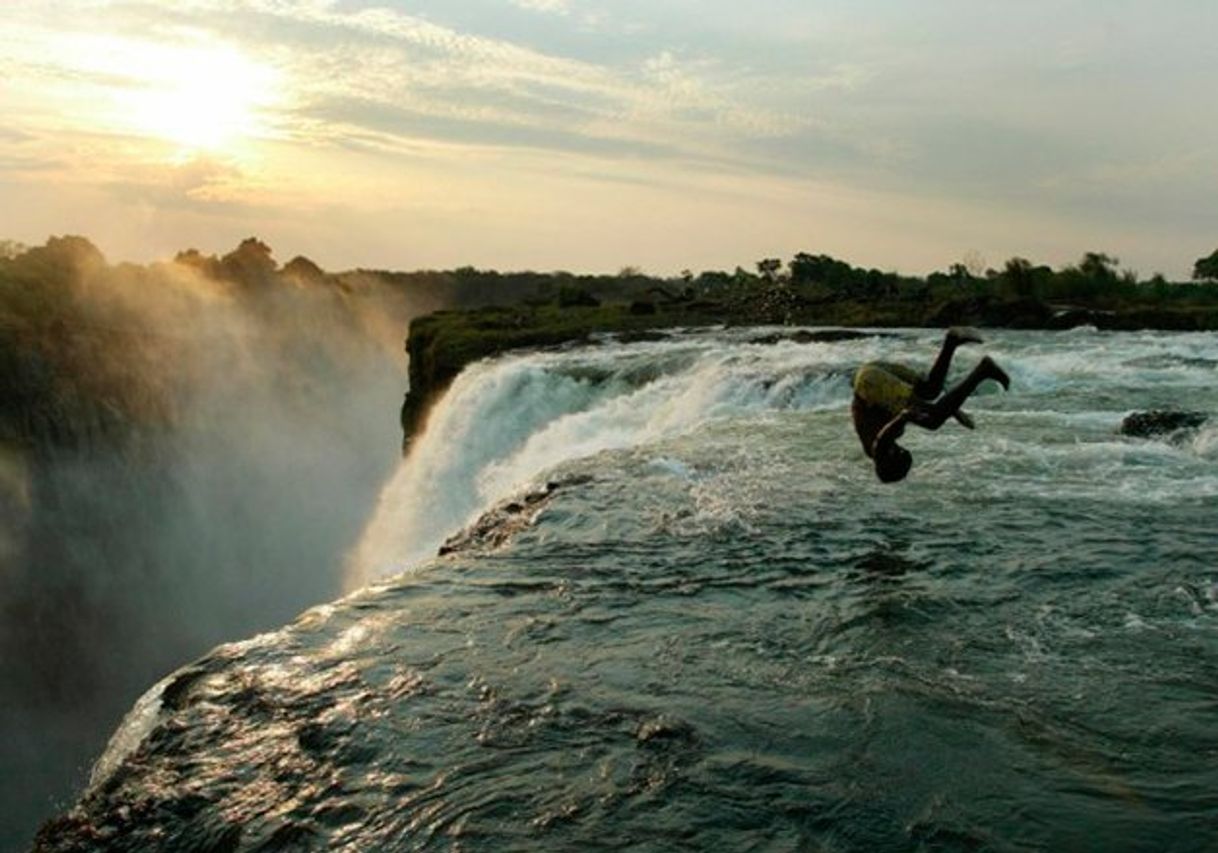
(964, 419)
(958, 335)
(993, 371)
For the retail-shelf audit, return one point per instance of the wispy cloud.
(1035, 108)
(399, 60)
(348, 69)
(557, 7)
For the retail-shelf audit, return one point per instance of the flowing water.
(691, 618)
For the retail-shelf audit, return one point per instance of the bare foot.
(993, 371)
(958, 335)
(964, 419)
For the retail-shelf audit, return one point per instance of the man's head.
(892, 465)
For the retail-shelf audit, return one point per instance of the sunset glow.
(205, 96)
(588, 135)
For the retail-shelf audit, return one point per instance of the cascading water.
(505, 421)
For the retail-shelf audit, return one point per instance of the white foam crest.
(665, 408)
(505, 422)
(1098, 360)
(1113, 470)
(1205, 443)
(1107, 421)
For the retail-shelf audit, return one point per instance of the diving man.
(888, 396)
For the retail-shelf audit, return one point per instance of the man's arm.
(887, 436)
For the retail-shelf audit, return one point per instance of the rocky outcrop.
(1160, 422)
(495, 527)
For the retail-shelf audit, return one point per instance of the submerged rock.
(1158, 422)
(819, 336)
(501, 522)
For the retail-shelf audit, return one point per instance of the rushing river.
(694, 619)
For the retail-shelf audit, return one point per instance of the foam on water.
(506, 421)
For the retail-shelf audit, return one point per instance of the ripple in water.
(722, 633)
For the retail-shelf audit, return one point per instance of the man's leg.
(932, 415)
(932, 385)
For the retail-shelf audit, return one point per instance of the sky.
(591, 135)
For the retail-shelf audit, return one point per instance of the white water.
(505, 422)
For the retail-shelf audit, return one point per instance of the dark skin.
(892, 462)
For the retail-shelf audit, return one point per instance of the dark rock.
(1017, 314)
(1070, 317)
(820, 336)
(665, 730)
(1158, 422)
(644, 336)
(503, 521)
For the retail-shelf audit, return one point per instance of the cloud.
(557, 7)
(444, 84)
(925, 101)
(378, 55)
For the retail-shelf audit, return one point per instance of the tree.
(837, 276)
(207, 265)
(769, 268)
(1098, 266)
(1206, 269)
(570, 296)
(11, 248)
(1159, 286)
(69, 258)
(250, 263)
(304, 270)
(959, 272)
(714, 281)
(975, 263)
(1019, 277)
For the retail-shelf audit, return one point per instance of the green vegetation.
(1206, 269)
(97, 353)
(77, 328)
(810, 290)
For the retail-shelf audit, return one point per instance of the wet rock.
(1160, 422)
(664, 729)
(504, 520)
(1071, 317)
(819, 336)
(643, 336)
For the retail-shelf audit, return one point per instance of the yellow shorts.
(885, 386)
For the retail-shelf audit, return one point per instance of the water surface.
(697, 621)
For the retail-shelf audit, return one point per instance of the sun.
(209, 101)
(198, 96)
(203, 98)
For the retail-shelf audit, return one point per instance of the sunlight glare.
(200, 96)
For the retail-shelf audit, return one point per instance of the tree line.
(30, 279)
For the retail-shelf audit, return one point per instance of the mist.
(189, 451)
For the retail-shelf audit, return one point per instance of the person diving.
(888, 396)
